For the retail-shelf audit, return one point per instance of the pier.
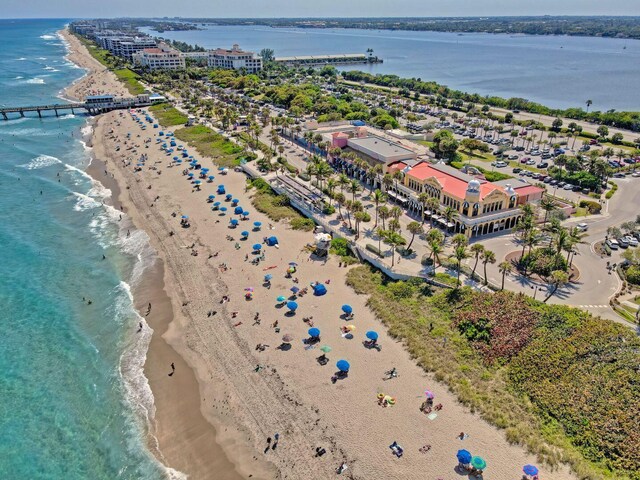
(319, 60)
(93, 105)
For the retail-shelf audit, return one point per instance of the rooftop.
(381, 146)
(452, 183)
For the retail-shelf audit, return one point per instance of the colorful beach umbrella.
(348, 309)
(293, 306)
(281, 298)
(343, 365)
(268, 277)
(530, 470)
(464, 456)
(371, 335)
(429, 394)
(314, 332)
(478, 463)
(351, 328)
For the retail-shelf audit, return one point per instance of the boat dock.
(93, 105)
(320, 60)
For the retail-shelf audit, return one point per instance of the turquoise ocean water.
(73, 400)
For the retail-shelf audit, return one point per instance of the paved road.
(596, 285)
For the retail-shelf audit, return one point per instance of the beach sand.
(291, 394)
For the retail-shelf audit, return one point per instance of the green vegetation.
(614, 188)
(130, 80)
(456, 99)
(591, 206)
(277, 207)
(557, 380)
(211, 144)
(167, 115)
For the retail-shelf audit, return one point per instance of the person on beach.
(173, 369)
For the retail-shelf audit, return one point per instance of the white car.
(582, 227)
(568, 186)
(633, 242)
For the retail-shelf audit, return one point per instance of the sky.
(310, 8)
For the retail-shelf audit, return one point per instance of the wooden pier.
(92, 105)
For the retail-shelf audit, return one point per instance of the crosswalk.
(591, 306)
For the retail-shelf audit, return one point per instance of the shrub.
(591, 206)
(426, 260)
(401, 289)
(302, 223)
(373, 249)
(365, 219)
(498, 325)
(633, 274)
(304, 176)
(543, 261)
(328, 209)
(614, 187)
(340, 246)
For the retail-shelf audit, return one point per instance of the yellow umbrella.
(351, 328)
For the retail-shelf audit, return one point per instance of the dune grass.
(277, 207)
(541, 397)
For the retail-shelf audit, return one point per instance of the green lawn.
(211, 144)
(167, 115)
(130, 80)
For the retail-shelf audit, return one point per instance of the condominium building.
(234, 59)
(161, 57)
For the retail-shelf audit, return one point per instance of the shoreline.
(187, 443)
(291, 394)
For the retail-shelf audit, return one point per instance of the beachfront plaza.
(482, 207)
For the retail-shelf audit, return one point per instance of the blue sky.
(304, 8)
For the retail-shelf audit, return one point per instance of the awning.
(450, 225)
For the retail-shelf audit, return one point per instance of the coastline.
(292, 394)
(178, 434)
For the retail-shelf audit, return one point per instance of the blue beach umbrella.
(235, 201)
(223, 209)
(234, 222)
(176, 158)
(319, 290)
(237, 210)
(257, 225)
(244, 234)
(185, 216)
(228, 197)
(257, 246)
(211, 177)
(190, 175)
(293, 306)
(197, 182)
(348, 309)
(314, 332)
(372, 335)
(221, 190)
(530, 470)
(281, 298)
(211, 197)
(245, 213)
(463, 456)
(204, 170)
(295, 289)
(220, 169)
(268, 276)
(271, 241)
(343, 365)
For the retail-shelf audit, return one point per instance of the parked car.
(568, 186)
(547, 179)
(613, 244)
(513, 157)
(525, 159)
(623, 242)
(632, 241)
(582, 227)
(499, 164)
(543, 165)
(531, 162)
(619, 175)
(516, 170)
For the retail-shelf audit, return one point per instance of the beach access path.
(291, 394)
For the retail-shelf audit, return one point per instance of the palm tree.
(394, 224)
(477, 250)
(396, 212)
(395, 240)
(359, 216)
(343, 181)
(332, 183)
(435, 240)
(384, 214)
(505, 268)
(340, 200)
(487, 257)
(576, 237)
(589, 103)
(378, 198)
(547, 204)
(354, 187)
(460, 253)
(460, 240)
(423, 198)
(558, 278)
(433, 205)
(381, 233)
(414, 228)
(348, 206)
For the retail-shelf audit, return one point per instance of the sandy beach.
(218, 415)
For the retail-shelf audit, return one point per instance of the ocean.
(558, 71)
(74, 402)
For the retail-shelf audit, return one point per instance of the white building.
(234, 59)
(162, 57)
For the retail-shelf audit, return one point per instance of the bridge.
(93, 105)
